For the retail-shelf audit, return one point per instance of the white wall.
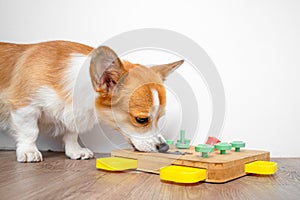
(254, 44)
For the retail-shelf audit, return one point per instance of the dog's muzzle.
(153, 144)
(162, 147)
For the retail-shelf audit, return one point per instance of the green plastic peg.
(223, 147)
(183, 143)
(204, 149)
(238, 145)
(169, 142)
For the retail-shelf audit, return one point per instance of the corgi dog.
(38, 83)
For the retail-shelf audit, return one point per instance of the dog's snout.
(162, 147)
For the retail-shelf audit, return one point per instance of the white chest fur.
(75, 112)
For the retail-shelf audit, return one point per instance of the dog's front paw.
(28, 154)
(79, 153)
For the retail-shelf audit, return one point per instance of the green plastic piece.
(204, 149)
(238, 145)
(170, 142)
(183, 143)
(223, 147)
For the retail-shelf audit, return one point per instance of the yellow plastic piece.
(116, 164)
(180, 174)
(261, 167)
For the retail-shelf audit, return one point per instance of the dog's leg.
(25, 126)
(73, 150)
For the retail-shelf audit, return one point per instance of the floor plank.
(61, 178)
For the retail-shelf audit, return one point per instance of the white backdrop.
(255, 46)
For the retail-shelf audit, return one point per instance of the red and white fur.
(65, 88)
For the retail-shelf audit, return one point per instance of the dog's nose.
(162, 147)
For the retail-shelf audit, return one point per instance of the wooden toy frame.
(220, 168)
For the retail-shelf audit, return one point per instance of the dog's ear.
(166, 69)
(106, 69)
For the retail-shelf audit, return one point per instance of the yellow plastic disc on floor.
(116, 164)
(261, 167)
(181, 174)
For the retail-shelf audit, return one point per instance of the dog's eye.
(141, 120)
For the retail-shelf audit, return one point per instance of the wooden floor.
(60, 178)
